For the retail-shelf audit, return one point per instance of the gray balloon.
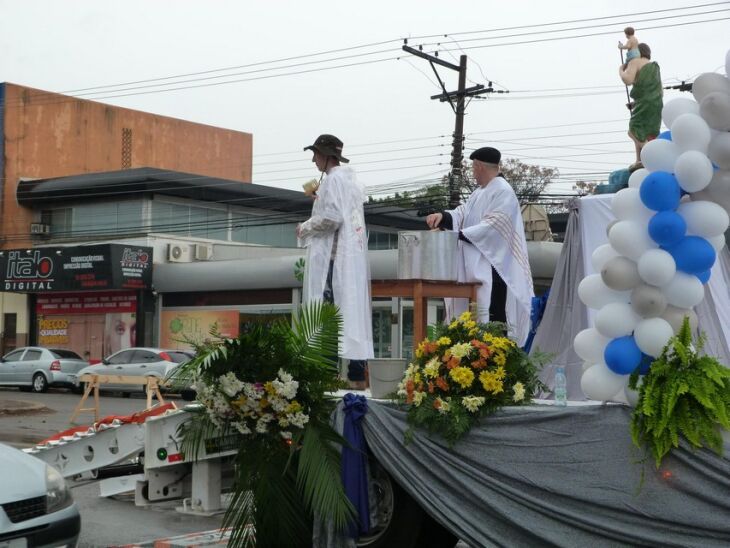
(609, 226)
(648, 301)
(709, 82)
(715, 110)
(675, 317)
(719, 150)
(620, 274)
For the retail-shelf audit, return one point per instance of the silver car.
(137, 362)
(36, 507)
(36, 368)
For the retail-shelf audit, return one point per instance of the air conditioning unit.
(40, 228)
(203, 252)
(178, 253)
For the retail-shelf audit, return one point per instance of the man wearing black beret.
(492, 248)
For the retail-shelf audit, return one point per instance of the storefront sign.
(178, 326)
(101, 302)
(93, 267)
(53, 331)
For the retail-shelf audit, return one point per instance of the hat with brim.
(329, 145)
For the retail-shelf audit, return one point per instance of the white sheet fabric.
(338, 221)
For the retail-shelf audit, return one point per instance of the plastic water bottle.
(561, 387)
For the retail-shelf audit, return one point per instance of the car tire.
(39, 383)
(188, 394)
(402, 522)
(78, 389)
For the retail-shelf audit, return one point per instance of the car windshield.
(180, 357)
(60, 353)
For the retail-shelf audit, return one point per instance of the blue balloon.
(704, 277)
(667, 228)
(666, 135)
(660, 191)
(622, 355)
(645, 365)
(693, 254)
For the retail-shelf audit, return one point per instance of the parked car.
(137, 362)
(36, 368)
(36, 506)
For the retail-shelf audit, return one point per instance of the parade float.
(462, 451)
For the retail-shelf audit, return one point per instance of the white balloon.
(601, 255)
(589, 344)
(631, 239)
(718, 242)
(651, 335)
(709, 82)
(715, 110)
(616, 320)
(657, 267)
(637, 177)
(595, 294)
(693, 170)
(691, 132)
(660, 155)
(704, 218)
(676, 107)
(684, 291)
(719, 150)
(600, 383)
(626, 205)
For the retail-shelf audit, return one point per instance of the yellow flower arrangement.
(466, 371)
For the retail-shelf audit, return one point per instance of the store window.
(262, 230)
(382, 240)
(189, 220)
(96, 218)
(382, 333)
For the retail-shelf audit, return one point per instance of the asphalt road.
(104, 521)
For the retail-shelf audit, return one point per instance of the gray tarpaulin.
(564, 314)
(545, 476)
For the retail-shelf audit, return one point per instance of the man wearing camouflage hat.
(492, 248)
(337, 268)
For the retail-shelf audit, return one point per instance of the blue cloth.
(632, 54)
(536, 312)
(355, 461)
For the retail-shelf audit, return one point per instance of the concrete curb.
(216, 537)
(21, 407)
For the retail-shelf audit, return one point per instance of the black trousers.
(498, 302)
(355, 368)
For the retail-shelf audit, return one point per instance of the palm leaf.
(319, 476)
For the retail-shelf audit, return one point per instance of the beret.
(486, 154)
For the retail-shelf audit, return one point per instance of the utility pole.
(457, 100)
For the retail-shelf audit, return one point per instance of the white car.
(137, 362)
(36, 507)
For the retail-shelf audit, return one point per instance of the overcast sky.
(392, 131)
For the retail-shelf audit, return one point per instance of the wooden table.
(420, 291)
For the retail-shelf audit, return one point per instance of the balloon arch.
(669, 228)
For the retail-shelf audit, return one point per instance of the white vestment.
(492, 222)
(338, 221)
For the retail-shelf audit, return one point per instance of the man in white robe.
(492, 248)
(337, 268)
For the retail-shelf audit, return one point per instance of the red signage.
(100, 302)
